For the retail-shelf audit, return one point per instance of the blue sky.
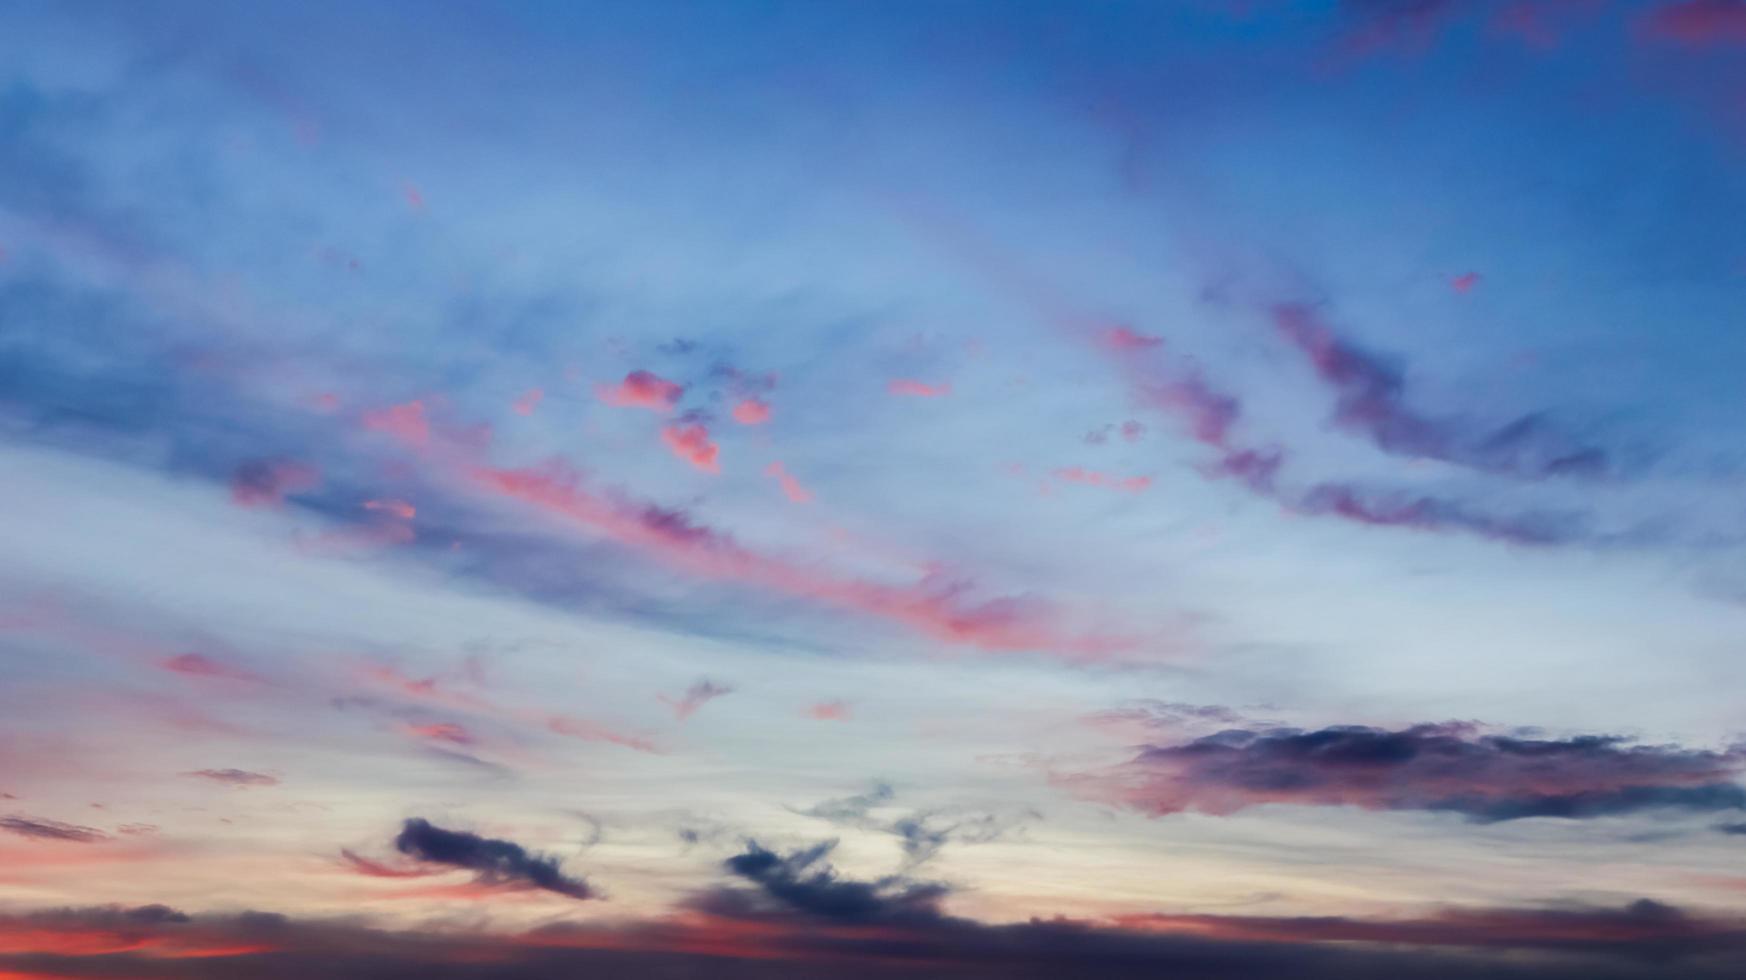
(1187, 468)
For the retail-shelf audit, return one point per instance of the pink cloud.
(751, 411)
(1465, 282)
(910, 388)
(393, 508)
(641, 389)
(937, 609)
(376, 869)
(692, 444)
(1129, 484)
(440, 731)
(790, 486)
(529, 400)
(828, 711)
(414, 196)
(591, 731)
(1701, 22)
(266, 482)
(1123, 338)
(406, 422)
(200, 665)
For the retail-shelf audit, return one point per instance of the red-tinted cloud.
(910, 388)
(791, 487)
(1464, 282)
(267, 482)
(751, 411)
(691, 443)
(641, 389)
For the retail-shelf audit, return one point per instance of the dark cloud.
(921, 833)
(1639, 941)
(1450, 767)
(696, 696)
(1371, 401)
(234, 777)
(801, 881)
(51, 830)
(496, 861)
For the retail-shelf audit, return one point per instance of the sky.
(1195, 488)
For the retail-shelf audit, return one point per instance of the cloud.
(1125, 484)
(828, 711)
(241, 778)
(592, 731)
(1371, 401)
(376, 869)
(691, 443)
(921, 833)
(200, 665)
(393, 508)
(1649, 927)
(1700, 22)
(932, 607)
(911, 388)
(801, 881)
(266, 482)
(751, 411)
(37, 829)
(798, 927)
(529, 401)
(696, 696)
(1464, 282)
(791, 487)
(407, 423)
(439, 731)
(1448, 767)
(642, 389)
(496, 861)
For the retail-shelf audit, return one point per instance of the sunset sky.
(873, 488)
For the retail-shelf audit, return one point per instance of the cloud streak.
(1450, 767)
(496, 861)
